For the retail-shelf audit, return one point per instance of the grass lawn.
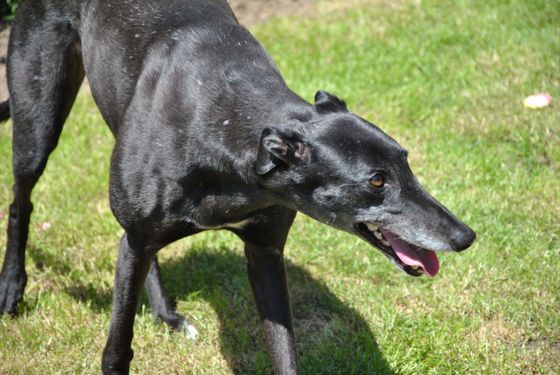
(445, 78)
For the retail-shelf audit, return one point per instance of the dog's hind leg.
(44, 74)
(159, 302)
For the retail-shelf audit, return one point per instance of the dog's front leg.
(267, 277)
(132, 266)
(264, 239)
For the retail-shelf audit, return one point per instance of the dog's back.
(117, 38)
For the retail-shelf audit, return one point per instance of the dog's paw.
(190, 331)
(178, 323)
(12, 286)
(186, 328)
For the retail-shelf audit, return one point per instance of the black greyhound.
(208, 136)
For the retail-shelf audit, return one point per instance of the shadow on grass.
(88, 293)
(332, 337)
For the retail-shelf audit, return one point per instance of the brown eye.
(377, 180)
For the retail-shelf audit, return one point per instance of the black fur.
(4, 111)
(208, 136)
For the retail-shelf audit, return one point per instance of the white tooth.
(386, 243)
(415, 268)
(372, 227)
(378, 235)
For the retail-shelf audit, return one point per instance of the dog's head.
(346, 172)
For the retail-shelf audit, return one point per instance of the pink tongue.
(426, 259)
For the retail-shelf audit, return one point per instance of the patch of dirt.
(4, 34)
(251, 12)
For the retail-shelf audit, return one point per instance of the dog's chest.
(202, 204)
(238, 225)
(230, 209)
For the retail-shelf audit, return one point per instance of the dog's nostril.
(463, 239)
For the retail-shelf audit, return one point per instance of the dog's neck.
(239, 93)
(249, 109)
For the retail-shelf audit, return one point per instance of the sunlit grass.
(446, 79)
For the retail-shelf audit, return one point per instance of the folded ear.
(279, 147)
(325, 102)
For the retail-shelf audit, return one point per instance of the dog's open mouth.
(412, 259)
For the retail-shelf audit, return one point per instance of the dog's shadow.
(332, 337)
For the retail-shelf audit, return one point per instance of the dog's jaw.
(411, 259)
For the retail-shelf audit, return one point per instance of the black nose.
(463, 238)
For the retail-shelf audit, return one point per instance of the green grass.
(445, 78)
